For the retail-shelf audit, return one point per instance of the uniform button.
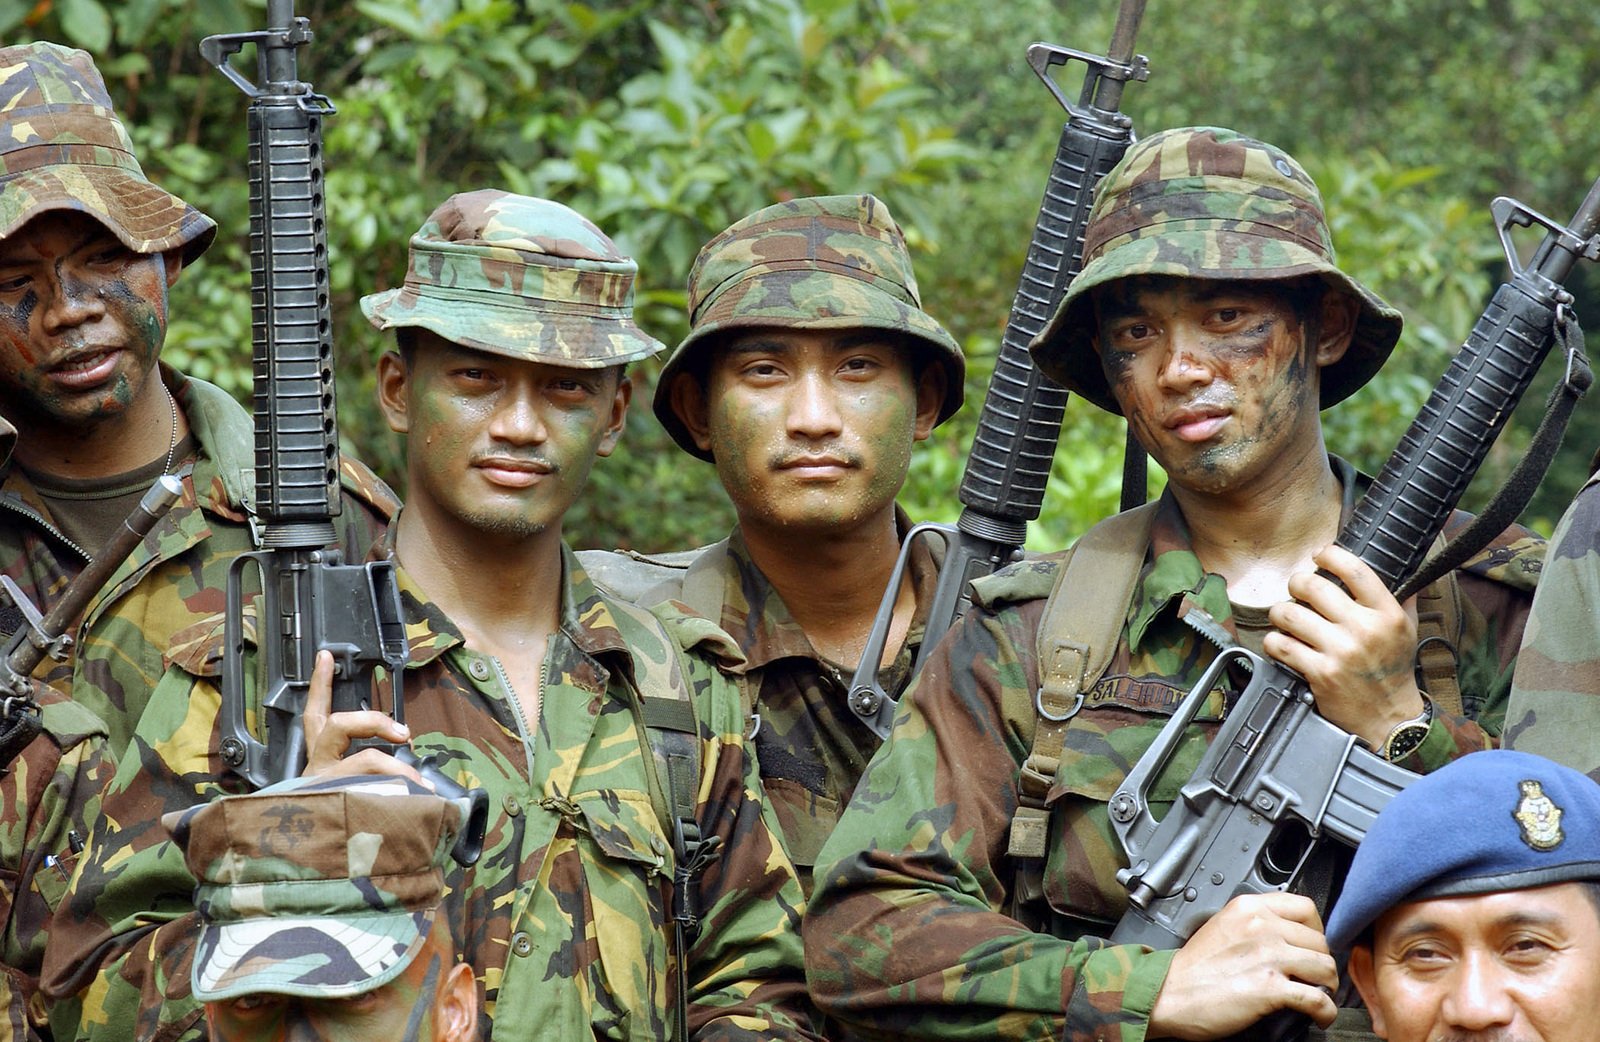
(521, 943)
(512, 805)
(479, 669)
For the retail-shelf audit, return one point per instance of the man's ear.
(455, 1013)
(619, 416)
(688, 399)
(931, 385)
(394, 381)
(1336, 327)
(1362, 974)
(173, 260)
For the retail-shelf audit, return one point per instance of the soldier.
(51, 795)
(809, 372)
(623, 806)
(971, 884)
(1487, 932)
(321, 905)
(1555, 695)
(88, 250)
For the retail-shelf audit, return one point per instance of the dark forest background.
(664, 122)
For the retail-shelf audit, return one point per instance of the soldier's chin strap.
(1135, 473)
(1512, 497)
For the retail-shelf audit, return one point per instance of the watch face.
(1403, 740)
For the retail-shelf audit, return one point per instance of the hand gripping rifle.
(1009, 464)
(1276, 768)
(310, 600)
(38, 637)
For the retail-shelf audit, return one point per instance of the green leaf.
(12, 12)
(85, 23)
(403, 17)
(134, 19)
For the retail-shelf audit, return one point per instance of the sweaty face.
(498, 445)
(1519, 966)
(82, 319)
(812, 429)
(1219, 380)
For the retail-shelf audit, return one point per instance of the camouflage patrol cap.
(517, 276)
(1203, 202)
(62, 147)
(323, 887)
(827, 262)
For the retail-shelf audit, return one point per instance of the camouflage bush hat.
(318, 887)
(1203, 202)
(828, 262)
(521, 277)
(62, 147)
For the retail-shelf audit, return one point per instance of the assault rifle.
(1276, 769)
(39, 637)
(310, 599)
(1008, 465)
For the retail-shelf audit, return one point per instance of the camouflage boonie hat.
(1203, 202)
(319, 887)
(829, 262)
(521, 277)
(62, 147)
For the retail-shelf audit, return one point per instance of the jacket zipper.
(516, 707)
(34, 516)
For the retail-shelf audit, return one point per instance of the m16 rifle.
(1277, 771)
(40, 637)
(1008, 465)
(310, 599)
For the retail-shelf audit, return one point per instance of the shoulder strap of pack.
(673, 734)
(704, 585)
(1078, 634)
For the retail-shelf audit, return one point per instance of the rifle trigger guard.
(1054, 717)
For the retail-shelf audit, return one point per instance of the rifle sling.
(1513, 496)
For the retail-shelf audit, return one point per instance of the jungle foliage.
(664, 122)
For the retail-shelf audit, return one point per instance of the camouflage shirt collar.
(224, 473)
(755, 615)
(586, 618)
(1174, 580)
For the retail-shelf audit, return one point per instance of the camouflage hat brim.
(333, 956)
(1065, 352)
(573, 337)
(145, 218)
(62, 147)
(805, 297)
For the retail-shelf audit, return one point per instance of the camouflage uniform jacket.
(51, 796)
(910, 932)
(565, 917)
(179, 574)
(1555, 695)
(812, 748)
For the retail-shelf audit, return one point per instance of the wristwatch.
(1408, 734)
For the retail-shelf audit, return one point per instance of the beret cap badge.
(1538, 817)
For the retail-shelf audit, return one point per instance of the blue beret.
(1491, 821)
